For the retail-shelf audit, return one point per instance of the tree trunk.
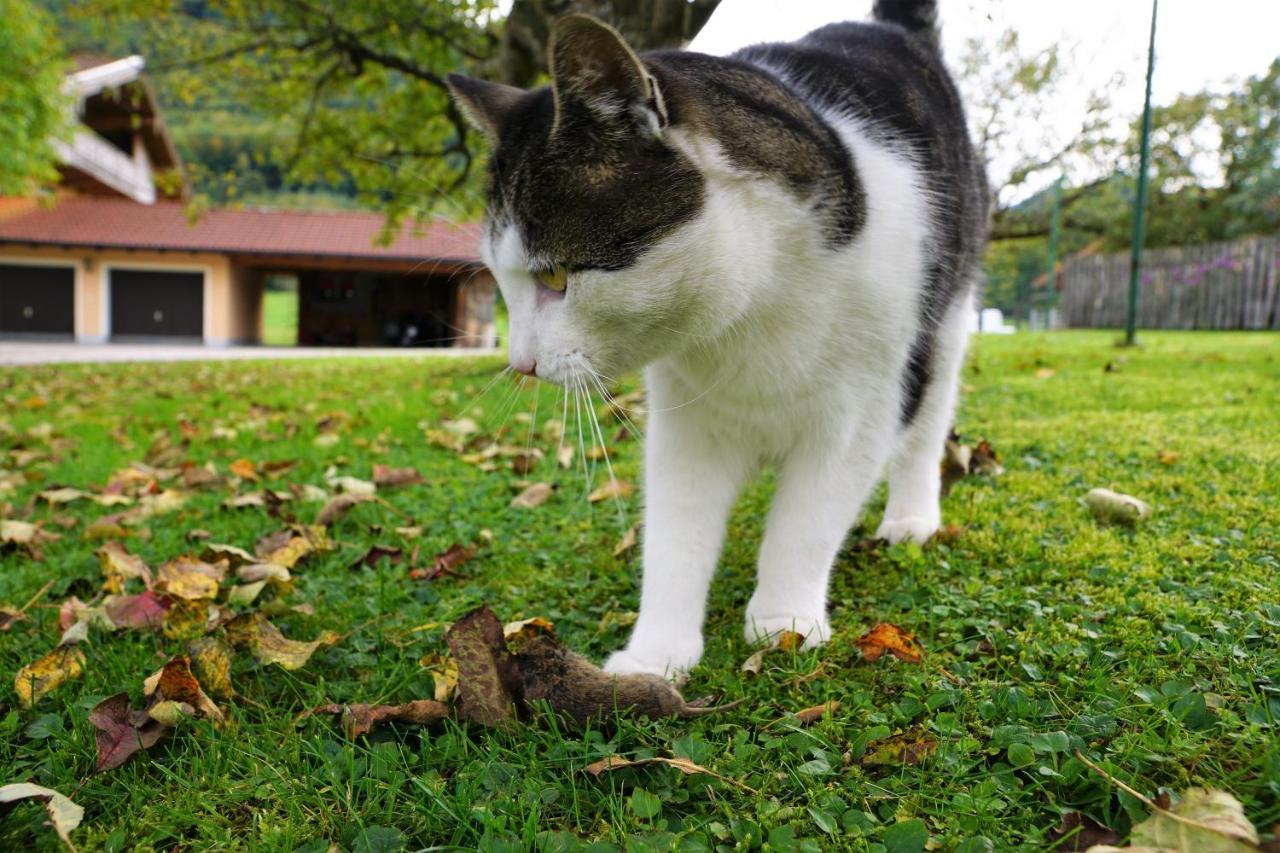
(646, 24)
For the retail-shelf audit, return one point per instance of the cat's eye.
(554, 277)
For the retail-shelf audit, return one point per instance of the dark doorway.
(37, 300)
(367, 309)
(151, 303)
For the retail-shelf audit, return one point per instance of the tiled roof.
(124, 224)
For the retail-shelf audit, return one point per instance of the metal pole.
(1140, 203)
(1051, 273)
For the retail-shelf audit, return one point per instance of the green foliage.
(33, 110)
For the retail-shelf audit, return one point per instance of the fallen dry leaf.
(486, 670)
(1076, 832)
(359, 719)
(122, 731)
(244, 469)
(809, 716)
(8, 616)
(905, 748)
(175, 682)
(215, 552)
(785, 641)
(353, 486)
(886, 637)
(190, 578)
(386, 477)
(211, 665)
(534, 496)
(376, 554)
(1203, 821)
(119, 566)
(145, 610)
(1115, 508)
(42, 677)
(445, 564)
(284, 548)
(339, 505)
(628, 540)
(618, 489)
(64, 815)
(17, 532)
(525, 628)
(255, 572)
(187, 618)
(254, 632)
(444, 675)
(684, 765)
(984, 460)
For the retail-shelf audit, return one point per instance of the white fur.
(762, 346)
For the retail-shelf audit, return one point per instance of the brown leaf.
(338, 506)
(809, 716)
(190, 578)
(514, 632)
(275, 470)
(898, 750)
(8, 616)
(35, 680)
(886, 637)
(628, 540)
(445, 563)
(534, 496)
(244, 469)
(287, 553)
(376, 554)
(198, 477)
(1165, 457)
(175, 682)
(1077, 832)
(358, 719)
(211, 665)
(268, 645)
(386, 477)
(119, 566)
(618, 489)
(985, 461)
(146, 610)
(486, 670)
(684, 765)
(122, 731)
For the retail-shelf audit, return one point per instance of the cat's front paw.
(917, 528)
(768, 629)
(673, 665)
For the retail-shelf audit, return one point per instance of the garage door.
(37, 300)
(157, 304)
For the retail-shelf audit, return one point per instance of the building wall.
(232, 300)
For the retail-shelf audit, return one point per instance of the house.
(115, 257)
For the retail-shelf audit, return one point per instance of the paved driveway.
(24, 352)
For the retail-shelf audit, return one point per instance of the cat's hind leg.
(915, 480)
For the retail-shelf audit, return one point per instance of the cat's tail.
(915, 16)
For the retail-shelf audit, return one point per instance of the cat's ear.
(486, 105)
(592, 66)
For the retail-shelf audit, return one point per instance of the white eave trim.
(89, 82)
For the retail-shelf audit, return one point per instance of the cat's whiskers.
(604, 447)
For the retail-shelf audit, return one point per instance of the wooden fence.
(1214, 286)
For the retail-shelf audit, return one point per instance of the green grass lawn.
(280, 318)
(1155, 651)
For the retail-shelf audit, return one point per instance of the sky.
(1199, 45)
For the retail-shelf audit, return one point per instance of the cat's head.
(593, 213)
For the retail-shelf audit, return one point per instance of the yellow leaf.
(48, 673)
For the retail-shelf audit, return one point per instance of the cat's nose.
(528, 368)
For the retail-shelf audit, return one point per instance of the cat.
(788, 241)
